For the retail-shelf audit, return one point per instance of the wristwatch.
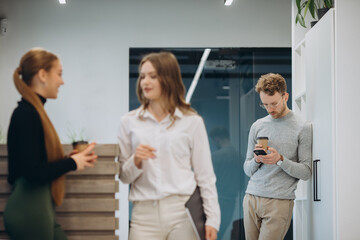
(280, 160)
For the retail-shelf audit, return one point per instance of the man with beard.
(270, 193)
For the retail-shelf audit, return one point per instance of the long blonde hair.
(172, 86)
(30, 64)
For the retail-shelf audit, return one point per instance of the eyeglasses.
(267, 106)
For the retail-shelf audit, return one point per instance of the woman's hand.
(74, 151)
(86, 158)
(210, 233)
(143, 152)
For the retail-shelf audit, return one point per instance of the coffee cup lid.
(262, 138)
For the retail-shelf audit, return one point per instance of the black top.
(26, 148)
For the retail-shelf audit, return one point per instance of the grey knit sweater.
(291, 136)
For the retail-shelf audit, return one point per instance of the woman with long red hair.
(37, 164)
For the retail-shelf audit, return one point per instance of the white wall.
(347, 83)
(93, 38)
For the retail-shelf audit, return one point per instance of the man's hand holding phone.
(259, 152)
(271, 158)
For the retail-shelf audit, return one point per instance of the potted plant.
(77, 139)
(317, 9)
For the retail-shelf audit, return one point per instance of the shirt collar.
(177, 114)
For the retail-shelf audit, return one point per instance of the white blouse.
(183, 159)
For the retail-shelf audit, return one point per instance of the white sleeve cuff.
(213, 224)
(130, 171)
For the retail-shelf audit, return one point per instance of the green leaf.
(301, 20)
(306, 7)
(312, 8)
(328, 3)
(298, 5)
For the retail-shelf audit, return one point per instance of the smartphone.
(260, 152)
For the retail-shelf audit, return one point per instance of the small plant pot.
(80, 145)
(321, 12)
(313, 23)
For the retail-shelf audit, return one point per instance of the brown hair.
(169, 76)
(271, 83)
(33, 61)
(30, 64)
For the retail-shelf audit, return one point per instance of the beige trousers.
(164, 219)
(266, 218)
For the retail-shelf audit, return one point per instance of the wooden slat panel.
(87, 223)
(4, 236)
(2, 227)
(70, 237)
(78, 186)
(3, 150)
(106, 159)
(4, 186)
(82, 223)
(92, 235)
(87, 205)
(80, 205)
(89, 237)
(89, 212)
(102, 168)
(92, 186)
(3, 168)
(100, 149)
(2, 204)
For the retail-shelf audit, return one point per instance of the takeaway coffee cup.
(263, 141)
(80, 145)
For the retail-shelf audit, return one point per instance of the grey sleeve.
(302, 168)
(250, 165)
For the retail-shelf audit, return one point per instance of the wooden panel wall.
(88, 211)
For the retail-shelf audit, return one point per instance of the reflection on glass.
(225, 98)
(227, 167)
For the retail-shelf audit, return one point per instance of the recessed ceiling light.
(62, 1)
(228, 2)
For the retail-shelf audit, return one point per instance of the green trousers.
(30, 213)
